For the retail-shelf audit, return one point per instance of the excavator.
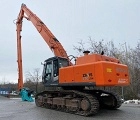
(73, 87)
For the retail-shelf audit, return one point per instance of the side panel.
(99, 74)
(77, 75)
(122, 75)
(84, 73)
(66, 75)
(111, 74)
(105, 74)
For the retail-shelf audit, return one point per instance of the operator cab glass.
(51, 70)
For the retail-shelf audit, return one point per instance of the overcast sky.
(70, 21)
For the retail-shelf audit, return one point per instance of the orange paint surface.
(101, 73)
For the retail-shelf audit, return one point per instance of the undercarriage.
(85, 102)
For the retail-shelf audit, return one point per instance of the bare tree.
(93, 46)
(33, 79)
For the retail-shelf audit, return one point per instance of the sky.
(70, 21)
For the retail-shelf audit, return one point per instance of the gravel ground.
(15, 109)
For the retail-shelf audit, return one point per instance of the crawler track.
(107, 100)
(85, 103)
(68, 101)
(111, 100)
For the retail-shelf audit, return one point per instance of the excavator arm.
(49, 38)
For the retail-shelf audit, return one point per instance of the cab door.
(50, 73)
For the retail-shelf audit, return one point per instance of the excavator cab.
(51, 70)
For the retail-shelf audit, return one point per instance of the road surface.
(15, 109)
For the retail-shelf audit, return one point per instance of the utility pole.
(126, 56)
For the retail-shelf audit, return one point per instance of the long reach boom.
(49, 38)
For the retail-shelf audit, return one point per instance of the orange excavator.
(73, 88)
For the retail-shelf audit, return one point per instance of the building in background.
(5, 91)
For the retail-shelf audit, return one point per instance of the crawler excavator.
(73, 88)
